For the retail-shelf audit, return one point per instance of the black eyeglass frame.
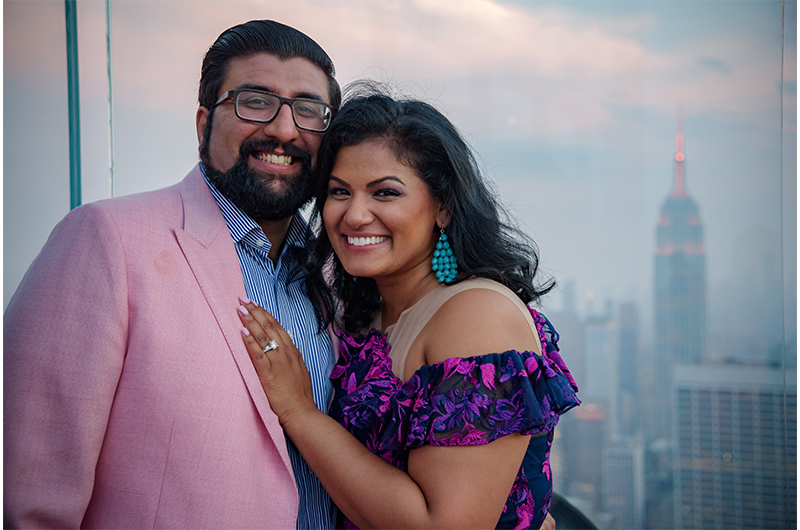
(234, 95)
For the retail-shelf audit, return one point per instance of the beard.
(249, 190)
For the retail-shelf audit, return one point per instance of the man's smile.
(270, 158)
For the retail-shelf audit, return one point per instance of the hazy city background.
(573, 108)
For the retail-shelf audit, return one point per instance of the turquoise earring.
(444, 262)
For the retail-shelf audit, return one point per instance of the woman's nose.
(358, 213)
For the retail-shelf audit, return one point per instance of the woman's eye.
(387, 192)
(337, 192)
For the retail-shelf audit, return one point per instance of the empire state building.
(680, 273)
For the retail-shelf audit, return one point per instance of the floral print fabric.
(460, 401)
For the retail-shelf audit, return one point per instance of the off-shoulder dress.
(460, 401)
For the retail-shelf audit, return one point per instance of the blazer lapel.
(207, 245)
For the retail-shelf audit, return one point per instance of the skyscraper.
(600, 378)
(628, 401)
(680, 273)
(623, 482)
(680, 291)
(736, 439)
(583, 437)
(679, 327)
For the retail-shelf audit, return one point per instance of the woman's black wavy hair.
(484, 241)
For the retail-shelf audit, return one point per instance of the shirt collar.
(241, 225)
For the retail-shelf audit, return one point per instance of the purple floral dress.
(461, 401)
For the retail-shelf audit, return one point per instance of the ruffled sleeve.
(460, 401)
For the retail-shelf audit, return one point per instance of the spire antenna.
(679, 190)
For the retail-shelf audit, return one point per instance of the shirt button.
(260, 243)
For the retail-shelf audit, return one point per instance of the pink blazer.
(129, 398)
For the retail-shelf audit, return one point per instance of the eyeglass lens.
(258, 106)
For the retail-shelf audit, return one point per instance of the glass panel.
(35, 139)
(648, 147)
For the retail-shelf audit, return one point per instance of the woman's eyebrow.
(337, 179)
(384, 179)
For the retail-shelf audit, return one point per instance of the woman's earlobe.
(444, 217)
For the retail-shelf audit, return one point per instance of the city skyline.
(666, 437)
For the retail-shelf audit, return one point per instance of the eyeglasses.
(263, 107)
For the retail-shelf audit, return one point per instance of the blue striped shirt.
(279, 291)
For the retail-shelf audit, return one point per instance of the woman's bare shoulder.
(476, 322)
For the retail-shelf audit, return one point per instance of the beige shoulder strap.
(404, 332)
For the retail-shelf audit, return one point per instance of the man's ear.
(200, 121)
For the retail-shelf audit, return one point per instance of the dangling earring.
(444, 262)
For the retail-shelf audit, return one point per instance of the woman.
(448, 387)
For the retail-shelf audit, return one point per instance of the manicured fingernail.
(244, 299)
(243, 310)
(246, 332)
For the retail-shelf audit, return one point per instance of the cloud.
(555, 70)
(555, 62)
(715, 64)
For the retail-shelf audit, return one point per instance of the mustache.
(298, 153)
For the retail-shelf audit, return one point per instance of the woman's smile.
(368, 241)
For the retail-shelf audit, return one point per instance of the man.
(130, 400)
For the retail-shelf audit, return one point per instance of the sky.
(571, 107)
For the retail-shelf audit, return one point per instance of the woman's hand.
(281, 370)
